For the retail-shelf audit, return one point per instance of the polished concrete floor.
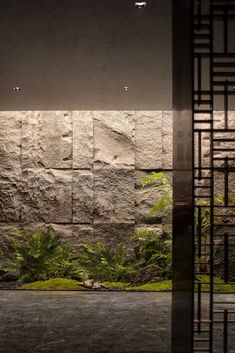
(96, 322)
(77, 322)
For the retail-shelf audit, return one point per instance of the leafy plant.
(97, 262)
(166, 199)
(153, 251)
(204, 261)
(37, 256)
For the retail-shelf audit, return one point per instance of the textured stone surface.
(82, 139)
(82, 196)
(47, 139)
(10, 139)
(114, 139)
(114, 234)
(10, 195)
(82, 233)
(148, 140)
(167, 145)
(114, 196)
(47, 196)
(78, 168)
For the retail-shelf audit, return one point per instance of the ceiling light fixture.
(126, 88)
(140, 4)
(17, 89)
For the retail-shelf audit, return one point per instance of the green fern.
(152, 250)
(97, 262)
(37, 256)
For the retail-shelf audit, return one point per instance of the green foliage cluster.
(219, 285)
(153, 251)
(97, 262)
(41, 255)
(204, 263)
(37, 256)
(166, 199)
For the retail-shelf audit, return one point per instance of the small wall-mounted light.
(233, 88)
(126, 88)
(140, 4)
(17, 89)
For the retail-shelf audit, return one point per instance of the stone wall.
(79, 172)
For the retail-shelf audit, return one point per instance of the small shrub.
(203, 264)
(97, 262)
(152, 252)
(37, 256)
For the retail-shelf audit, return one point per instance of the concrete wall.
(79, 171)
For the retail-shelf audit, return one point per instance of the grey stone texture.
(114, 139)
(47, 139)
(83, 141)
(46, 195)
(82, 196)
(148, 140)
(114, 196)
(10, 139)
(78, 172)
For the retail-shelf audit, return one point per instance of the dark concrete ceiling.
(79, 54)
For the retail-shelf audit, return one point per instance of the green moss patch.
(165, 285)
(116, 285)
(55, 284)
(219, 285)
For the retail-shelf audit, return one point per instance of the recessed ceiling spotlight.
(140, 4)
(17, 88)
(126, 88)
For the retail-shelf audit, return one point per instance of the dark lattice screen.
(214, 172)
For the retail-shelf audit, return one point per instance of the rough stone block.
(114, 234)
(82, 196)
(47, 196)
(82, 139)
(10, 139)
(47, 139)
(167, 140)
(10, 195)
(148, 140)
(114, 196)
(114, 139)
(6, 229)
(82, 234)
